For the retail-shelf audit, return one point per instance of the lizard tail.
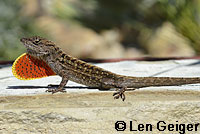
(138, 82)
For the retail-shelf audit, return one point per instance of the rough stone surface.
(26, 108)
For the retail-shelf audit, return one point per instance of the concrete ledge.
(26, 108)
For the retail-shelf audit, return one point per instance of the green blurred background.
(103, 28)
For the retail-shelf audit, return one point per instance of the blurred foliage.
(185, 15)
(132, 18)
(109, 14)
(62, 9)
(13, 26)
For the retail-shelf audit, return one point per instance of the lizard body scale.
(70, 68)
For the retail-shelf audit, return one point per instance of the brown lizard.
(70, 68)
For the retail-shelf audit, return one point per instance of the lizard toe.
(120, 94)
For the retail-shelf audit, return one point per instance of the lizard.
(73, 69)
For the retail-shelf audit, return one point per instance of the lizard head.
(38, 47)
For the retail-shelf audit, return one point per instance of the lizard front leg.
(60, 87)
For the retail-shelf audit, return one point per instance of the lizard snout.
(23, 39)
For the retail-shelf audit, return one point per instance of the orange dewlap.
(27, 67)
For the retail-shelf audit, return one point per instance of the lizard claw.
(54, 89)
(120, 94)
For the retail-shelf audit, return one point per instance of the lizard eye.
(36, 41)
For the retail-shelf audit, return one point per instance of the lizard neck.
(53, 60)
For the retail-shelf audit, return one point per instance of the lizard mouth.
(28, 44)
(30, 47)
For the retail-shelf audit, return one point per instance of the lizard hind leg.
(60, 88)
(120, 93)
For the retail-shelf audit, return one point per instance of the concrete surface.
(26, 108)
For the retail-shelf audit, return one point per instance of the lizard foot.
(120, 94)
(56, 90)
